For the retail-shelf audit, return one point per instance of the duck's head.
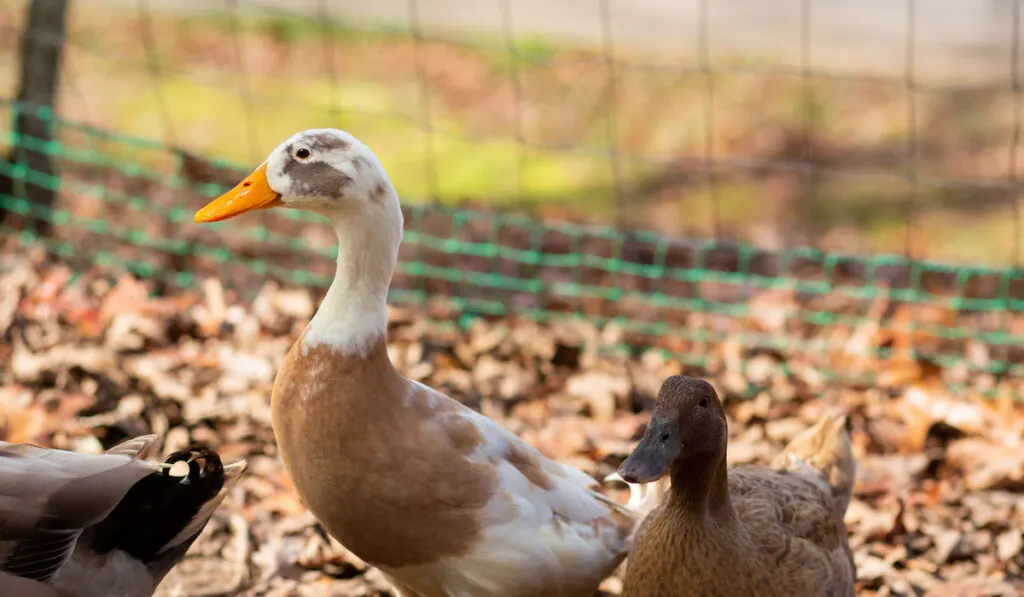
(688, 422)
(325, 171)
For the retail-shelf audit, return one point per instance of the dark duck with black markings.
(102, 525)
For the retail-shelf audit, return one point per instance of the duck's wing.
(824, 450)
(162, 515)
(545, 523)
(790, 517)
(799, 503)
(48, 497)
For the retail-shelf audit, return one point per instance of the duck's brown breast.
(684, 558)
(379, 460)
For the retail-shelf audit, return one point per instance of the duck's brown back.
(791, 518)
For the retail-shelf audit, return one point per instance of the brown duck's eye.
(705, 401)
(302, 153)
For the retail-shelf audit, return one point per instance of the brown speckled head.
(688, 422)
(683, 397)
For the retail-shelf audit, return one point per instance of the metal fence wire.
(678, 193)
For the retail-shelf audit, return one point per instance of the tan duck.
(745, 530)
(444, 501)
(102, 525)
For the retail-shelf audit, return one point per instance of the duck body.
(101, 525)
(780, 538)
(444, 501)
(745, 530)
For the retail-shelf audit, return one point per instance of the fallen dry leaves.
(939, 502)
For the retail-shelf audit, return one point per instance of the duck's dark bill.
(252, 193)
(649, 462)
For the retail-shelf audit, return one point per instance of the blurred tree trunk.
(42, 44)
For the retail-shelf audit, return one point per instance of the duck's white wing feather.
(47, 497)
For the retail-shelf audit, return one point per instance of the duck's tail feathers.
(229, 476)
(186, 490)
(825, 448)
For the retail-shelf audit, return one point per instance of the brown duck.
(746, 530)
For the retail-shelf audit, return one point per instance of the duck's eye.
(705, 401)
(302, 153)
(664, 437)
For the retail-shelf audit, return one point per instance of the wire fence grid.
(686, 198)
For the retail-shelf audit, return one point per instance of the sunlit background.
(865, 127)
(814, 204)
(643, 162)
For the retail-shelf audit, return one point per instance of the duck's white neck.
(353, 315)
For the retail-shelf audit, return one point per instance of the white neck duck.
(443, 500)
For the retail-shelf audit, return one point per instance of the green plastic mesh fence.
(681, 295)
(125, 202)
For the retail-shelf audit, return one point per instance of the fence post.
(42, 44)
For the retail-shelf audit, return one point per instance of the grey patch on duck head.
(315, 179)
(324, 143)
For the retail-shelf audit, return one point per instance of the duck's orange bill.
(252, 193)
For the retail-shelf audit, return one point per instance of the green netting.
(126, 204)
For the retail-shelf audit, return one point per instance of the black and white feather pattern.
(69, 521)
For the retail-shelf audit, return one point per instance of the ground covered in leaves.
(89, 360)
